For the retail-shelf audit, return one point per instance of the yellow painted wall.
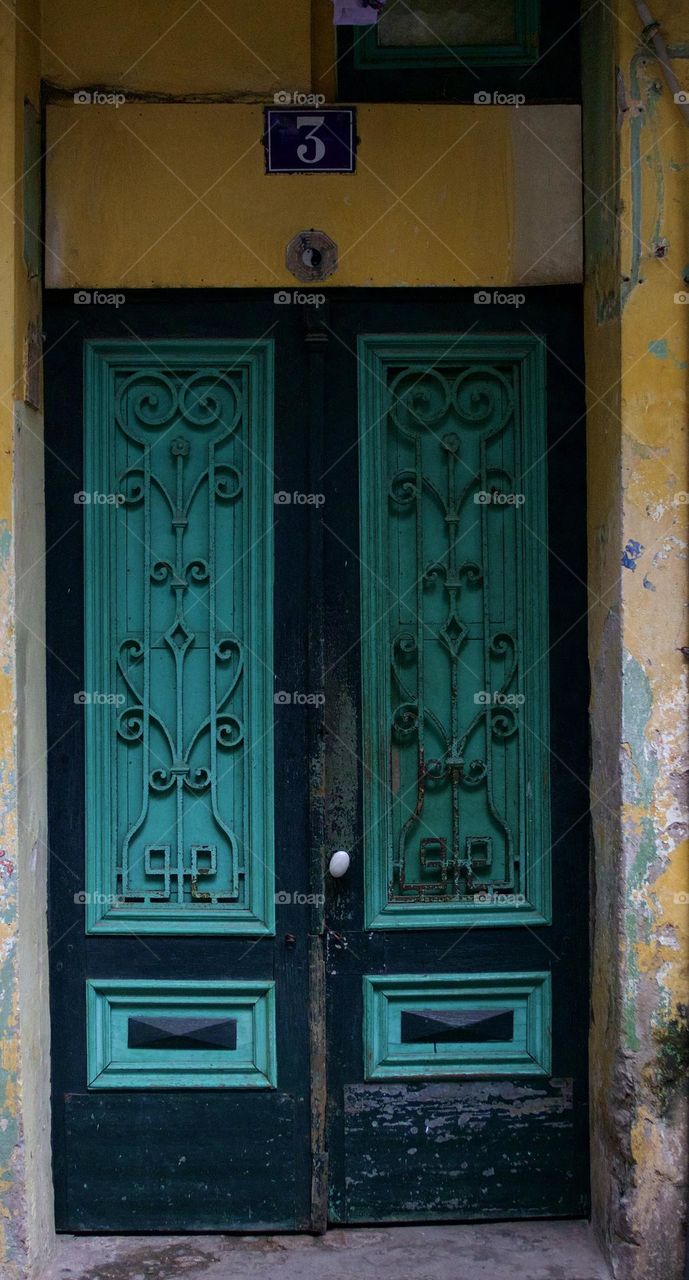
(638, 386)
(177, 195)
(437, 197)
(25, 1191)
(179, 47)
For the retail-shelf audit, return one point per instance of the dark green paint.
(203, 1158)
(671, 1073)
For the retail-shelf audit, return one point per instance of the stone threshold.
(553, 1250)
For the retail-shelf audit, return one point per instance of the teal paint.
(640, 772)
(5, 557)
(526, 995)
(640, 765)
(641, 838)
(454, 626)
(178, 606)
(11, 1129)
(635, 125)
(659, 349)
(652, 161)
(656, 163)
(5, 543)
(113, 1064)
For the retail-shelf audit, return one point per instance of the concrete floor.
(496, 1251)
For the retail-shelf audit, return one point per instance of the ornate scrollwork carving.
(454, 673)
(182, 676)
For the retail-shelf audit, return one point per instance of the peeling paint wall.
(25, 1197)
(637, 175)
(32, 946)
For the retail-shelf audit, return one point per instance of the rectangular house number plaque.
(310, 139)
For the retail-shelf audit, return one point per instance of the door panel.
(454, 623)
(458, 1024)
(160, 1162)
(178, 595)
(425, 1151)
(192, 937)
(456, 698)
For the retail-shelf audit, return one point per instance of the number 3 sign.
(311, 141)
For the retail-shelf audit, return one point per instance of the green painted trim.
(370, 56)
(112, 1065)
(376, 354)
(104, 914)
(527, 994)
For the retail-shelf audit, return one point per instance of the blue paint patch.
(631, 554)
(648, 584)
(5, 542)
(661, 351)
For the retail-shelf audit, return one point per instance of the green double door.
(318, 758)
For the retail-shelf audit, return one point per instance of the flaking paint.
(638, 504)
(25, 1203)
(11, 1147)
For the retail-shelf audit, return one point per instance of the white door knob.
(339, 864)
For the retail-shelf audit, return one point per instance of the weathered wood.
(379, 1168)
(160, 1162)
(477, 1149)
(316, 339)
